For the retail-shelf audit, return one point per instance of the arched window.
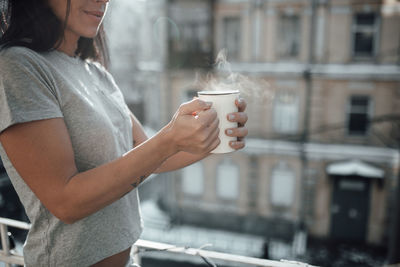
(193, 179)
(282, 186)
(228, 180)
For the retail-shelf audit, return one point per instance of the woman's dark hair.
(32, 24)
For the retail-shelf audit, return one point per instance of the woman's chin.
(90, 33)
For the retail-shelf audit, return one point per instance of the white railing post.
(7, 255)
(4, 242)
(136, 256)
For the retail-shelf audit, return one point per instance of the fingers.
(201, 122)
(240, 132)
(237, 132)
(214, 125)
(195, 105)
(241, 104)
(237, 144)
(207, 117)
(239, 117)
(213, 139)
(207, 137)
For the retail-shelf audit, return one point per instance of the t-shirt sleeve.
(27, 92)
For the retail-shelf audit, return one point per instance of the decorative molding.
(315, 151)
(361, 86)
(340, 10)
(287, 83)
(370, 72)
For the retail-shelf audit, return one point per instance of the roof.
(354, 167)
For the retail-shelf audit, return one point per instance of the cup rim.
(220, 92)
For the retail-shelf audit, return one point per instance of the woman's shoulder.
(17, 53)
(20, 56)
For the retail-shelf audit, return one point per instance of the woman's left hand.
(241, 118)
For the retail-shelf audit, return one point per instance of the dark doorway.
(350, 208)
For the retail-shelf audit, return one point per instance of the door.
(350, 208)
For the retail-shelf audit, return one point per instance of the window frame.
(182, 187)
(233, 199)
(238, 56)
(296, 102)
(376, 36)
(279, 31)
(285, 166)
(181, 54)
(369, 115)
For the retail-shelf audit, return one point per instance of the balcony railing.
(6, 254)
(9, 256)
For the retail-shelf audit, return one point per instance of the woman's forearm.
(179, 160)
(90, 191)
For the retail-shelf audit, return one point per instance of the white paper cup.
(224, 103)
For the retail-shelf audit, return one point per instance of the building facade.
(323, 131)
(322, 82)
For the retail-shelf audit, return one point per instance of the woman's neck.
(69, 44)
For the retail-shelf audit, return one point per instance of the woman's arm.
(42, 153)
(183, 159)
(177, 161)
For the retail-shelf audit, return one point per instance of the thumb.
(193, 106)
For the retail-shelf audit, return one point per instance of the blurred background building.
(321, 160)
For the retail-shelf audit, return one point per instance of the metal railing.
(9, 256)
(208, 256)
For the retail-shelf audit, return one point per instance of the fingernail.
(208, 103)
(229, 132)
(231, 116)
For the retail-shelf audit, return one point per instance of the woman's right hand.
(194, 127)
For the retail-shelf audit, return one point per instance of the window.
(190, 38)
(282, 186)
(228, 180)
(289, 37)
(232, 37)
(358, 116)
(193, 179)
(364, 35)
(286, 112)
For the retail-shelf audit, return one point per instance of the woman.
(73, 150)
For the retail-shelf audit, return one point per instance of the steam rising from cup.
(223, 88)
(224, 79)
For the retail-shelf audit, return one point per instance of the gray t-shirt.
(36, 86)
